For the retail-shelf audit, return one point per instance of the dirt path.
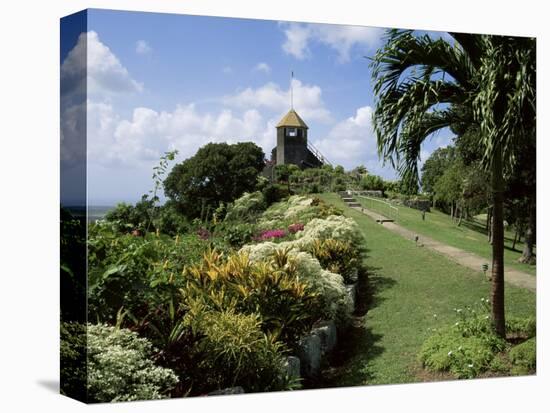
(467, 259)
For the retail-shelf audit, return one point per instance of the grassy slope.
(410, 285)
(470, 236)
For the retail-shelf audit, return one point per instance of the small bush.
(126, 217)
(120, 369)
(238, 235)
(235, 351)
(73, 360)
(170, 221)
(274, 193)
(466, 357)
(467, 348)
(524, 356)
(521, 327)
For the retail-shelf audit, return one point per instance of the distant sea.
(95, 212)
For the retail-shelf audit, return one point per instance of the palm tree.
(423, 84)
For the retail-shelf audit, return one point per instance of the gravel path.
(467, 259)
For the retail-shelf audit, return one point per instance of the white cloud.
(308, 100)
(142, 47)
(105, 72)
(90, 69)
(338, 37)
(142, 138)
(92, 61)
(350, 142)
(262, 67)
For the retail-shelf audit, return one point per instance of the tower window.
(292, 132)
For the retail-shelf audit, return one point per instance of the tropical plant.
(235, 351)
(287, 305)
(423, 85)
(340, 257)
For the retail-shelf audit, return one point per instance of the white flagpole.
(291, 92)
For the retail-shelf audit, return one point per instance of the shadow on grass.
(477, 227)
(348, 365)
(376, 284)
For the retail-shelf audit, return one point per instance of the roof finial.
(291, 92)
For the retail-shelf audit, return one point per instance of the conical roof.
(292, 119)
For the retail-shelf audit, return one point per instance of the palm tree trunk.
(527, 256)
(497, 277)
(516, 235)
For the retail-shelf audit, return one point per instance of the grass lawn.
(413, 291)
(470, 236)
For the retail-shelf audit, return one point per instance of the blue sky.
(158, 82)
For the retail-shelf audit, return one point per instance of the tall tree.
(218, 172)
(423, 85)
(435, 166)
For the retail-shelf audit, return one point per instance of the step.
(353, 204)
(382, 220)
(349, 199)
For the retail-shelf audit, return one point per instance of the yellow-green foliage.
(336, 256)
(327, 285)
(288, 306)
(235, 351)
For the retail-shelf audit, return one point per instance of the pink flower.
(272, 233)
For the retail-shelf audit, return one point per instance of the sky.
(160, 82)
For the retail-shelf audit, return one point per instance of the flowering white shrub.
(288, 210)
(333, 227)
(245, 206)
(120, 369)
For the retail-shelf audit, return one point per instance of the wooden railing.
(318, 154)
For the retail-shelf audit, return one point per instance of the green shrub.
(275, 193)
(126, 217)
(73, 360)
(466, 348)
(521, 327)
(120, 369)
(235, 352)
(450, 351)
(524, 356)
(135, 272)
(170, 221)
(238, 235)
